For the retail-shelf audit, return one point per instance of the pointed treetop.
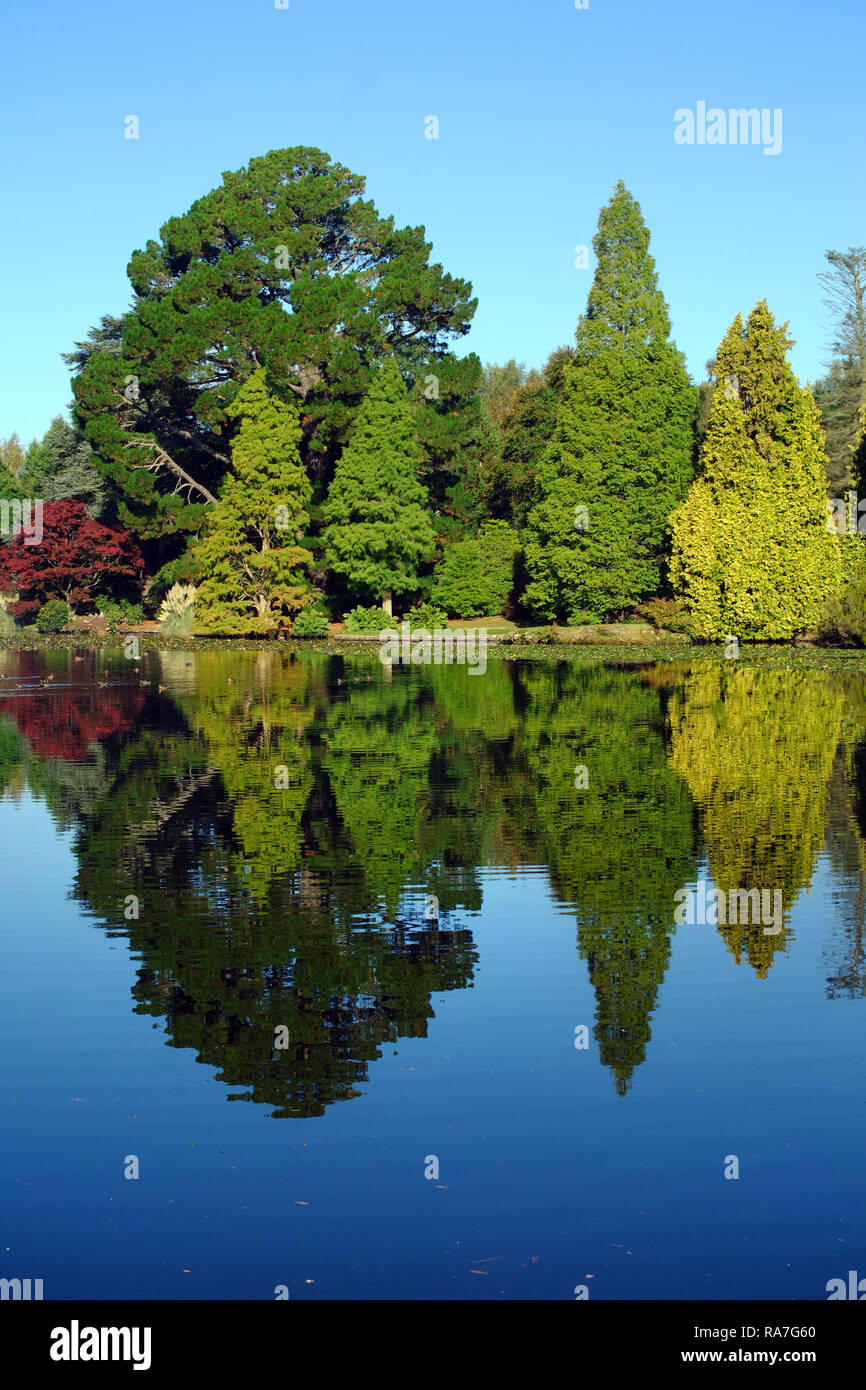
(751, 368)
(625, 300)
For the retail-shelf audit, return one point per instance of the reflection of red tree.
(60, 723)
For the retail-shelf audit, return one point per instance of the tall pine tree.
(380, 529)
(621, 454)
(752, 553)
(253, 571)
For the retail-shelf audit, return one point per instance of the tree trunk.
(386, 603)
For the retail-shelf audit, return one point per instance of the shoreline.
(517, 645)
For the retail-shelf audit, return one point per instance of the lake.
(355, 982)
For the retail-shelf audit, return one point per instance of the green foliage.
(252, 573)
(9, 489)
(12, 476)
(427, 615)
(839, 395)
(525, 417)
(61, 465)
(475, 577)
(380, 530)
(181, 571)
(498, 544)
(53, 616)
(11, 457)
(501, 387)
(456, 439)
(665, 613)
(120, 611)
(311, 622)
(622, 446)
(752, 554)
(107, 338)
(368, 620)
(285, 264)
(459, 584)
(844, 620)
(703, 406)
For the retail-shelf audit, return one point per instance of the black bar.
(243, 1341)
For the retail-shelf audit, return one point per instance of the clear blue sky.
(542, 108)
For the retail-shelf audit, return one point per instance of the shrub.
(474, 578)
(120, 611)
(368, 620)
(52, 616)
(665, 613)
(460, 585)
(311, 622)
(427, 615)
(177, 610)
(109, 609)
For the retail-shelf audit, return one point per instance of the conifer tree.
(752, 552)
(380, 530)
(11, 469)
(475, 577)
(620, 458)
(838, 395)
(61, 465)
(252, 569)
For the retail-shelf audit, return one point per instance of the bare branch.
(160, 459)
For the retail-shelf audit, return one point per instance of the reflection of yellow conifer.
(854, 716)
(253, 726)
(756, 748)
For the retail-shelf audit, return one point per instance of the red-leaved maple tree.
(75, 560)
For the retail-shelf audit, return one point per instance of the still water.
(313, 946)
